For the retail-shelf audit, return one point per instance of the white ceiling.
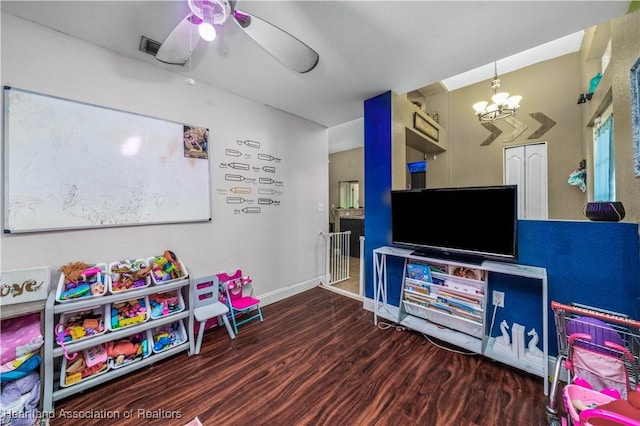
(365, 47)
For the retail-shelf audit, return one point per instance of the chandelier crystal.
(503, 105)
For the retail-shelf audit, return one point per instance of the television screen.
(474, 221)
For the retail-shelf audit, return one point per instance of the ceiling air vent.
(149, 46)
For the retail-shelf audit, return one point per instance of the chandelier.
(503, 105)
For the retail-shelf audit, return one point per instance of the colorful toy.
(166, 336)
(83, 324)
(79, 369)
(129, 274)
(166, 267)
(81, 290)
(164, 304)
(127, 313)
(127, 350)
(81, 280)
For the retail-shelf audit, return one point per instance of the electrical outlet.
(498, 298)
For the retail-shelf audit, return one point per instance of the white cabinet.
(448, 300)
(53, 353)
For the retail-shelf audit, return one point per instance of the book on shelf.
(448, 309)
(417, 299)
(418, 271)
(463, 288)
(417, 286)
(470, 273)
(470, 300)
(455, 304)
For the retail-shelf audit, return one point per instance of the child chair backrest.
(205, 290)
(229, 281)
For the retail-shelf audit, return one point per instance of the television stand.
(429, 281)
(447, 256)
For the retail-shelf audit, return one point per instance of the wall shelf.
(423, 144)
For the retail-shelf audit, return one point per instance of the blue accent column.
(377, 177)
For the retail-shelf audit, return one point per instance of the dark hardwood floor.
(317, 359)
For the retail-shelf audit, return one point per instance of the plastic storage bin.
(95, 286)
(81, 324)
(128, 313)
(124, 352)
(129, 275)
(168, 336)
(90, 363)
(164, 271)
(167, 303)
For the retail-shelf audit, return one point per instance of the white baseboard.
(283, 293)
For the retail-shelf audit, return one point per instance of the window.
(604, 173)
(350, 195)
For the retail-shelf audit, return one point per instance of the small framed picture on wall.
(425, 127)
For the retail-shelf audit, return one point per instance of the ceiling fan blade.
(287, 49)
(177, 47)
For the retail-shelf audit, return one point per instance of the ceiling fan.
(207, 14)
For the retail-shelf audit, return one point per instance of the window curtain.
(604, 172)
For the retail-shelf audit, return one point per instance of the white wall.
(280, 248)
(346, 136)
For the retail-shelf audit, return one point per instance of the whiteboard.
(73, 165)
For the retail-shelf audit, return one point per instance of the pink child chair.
(207, 306)
(238, 294)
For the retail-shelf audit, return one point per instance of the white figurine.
(503, 343)
(504, 339)
(533, 353)
(533, 344)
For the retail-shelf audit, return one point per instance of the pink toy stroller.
(600, 352)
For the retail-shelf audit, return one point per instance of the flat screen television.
(474, 223)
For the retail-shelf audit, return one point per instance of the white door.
(526, 166)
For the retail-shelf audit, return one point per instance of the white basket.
(66, 316)
(104, 279)
(180, 336)
(63, 371)
(175, 293)
(140, 318)
(156, 281)
(113, 289)
(113, 363)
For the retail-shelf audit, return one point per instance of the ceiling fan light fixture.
(206, 29)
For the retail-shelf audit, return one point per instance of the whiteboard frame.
(9, 228)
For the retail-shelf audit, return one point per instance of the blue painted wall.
(594, 263)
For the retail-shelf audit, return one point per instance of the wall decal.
(519, 126)
(495, 132)
(268, 157)
(546, 122)
(238, 178)
(239, 200)
(248, 171)
(235, 153)
(235, 165)
(248, 210)
(249, 143)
